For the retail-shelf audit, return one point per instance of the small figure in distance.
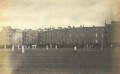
(13, 47)
(75, 50)
(47, 47)
(111, 45)
(50, 45)
(18, 46)
(56, 46)
(23, 50)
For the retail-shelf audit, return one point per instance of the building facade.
(64, 37)
(30, 37)
(17, 38)
(6, 36)
(72, 36)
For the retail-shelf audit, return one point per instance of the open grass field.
(60, 61)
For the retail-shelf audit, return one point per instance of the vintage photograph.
(59, 36)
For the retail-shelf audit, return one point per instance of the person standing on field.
(47, 47)
(56, 46)
(23, 49)
(13, 48)
(75, 50)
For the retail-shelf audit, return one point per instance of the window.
(102, 35)
(35, 34)
(96, 35)
(25, 35)
(70, 35)
(24, 39)
(102, 30)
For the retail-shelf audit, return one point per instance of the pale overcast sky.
(55, 13)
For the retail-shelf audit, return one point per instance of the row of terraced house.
(63, 37)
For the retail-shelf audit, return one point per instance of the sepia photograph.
(59, 36)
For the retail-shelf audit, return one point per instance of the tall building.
(6, 36)
(30, 37)
(17, 38)
(114, 32)
(72, 36)
(109, 33)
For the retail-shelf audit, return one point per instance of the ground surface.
(60, 61)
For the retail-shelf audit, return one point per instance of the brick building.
(30, 37)
(17, 37)
(72, 36)
(113, 35)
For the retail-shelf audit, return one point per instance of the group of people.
(23, 47)
(35, 46)
(75, 48)
(47, 47)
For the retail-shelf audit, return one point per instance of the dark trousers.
(75, 52)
